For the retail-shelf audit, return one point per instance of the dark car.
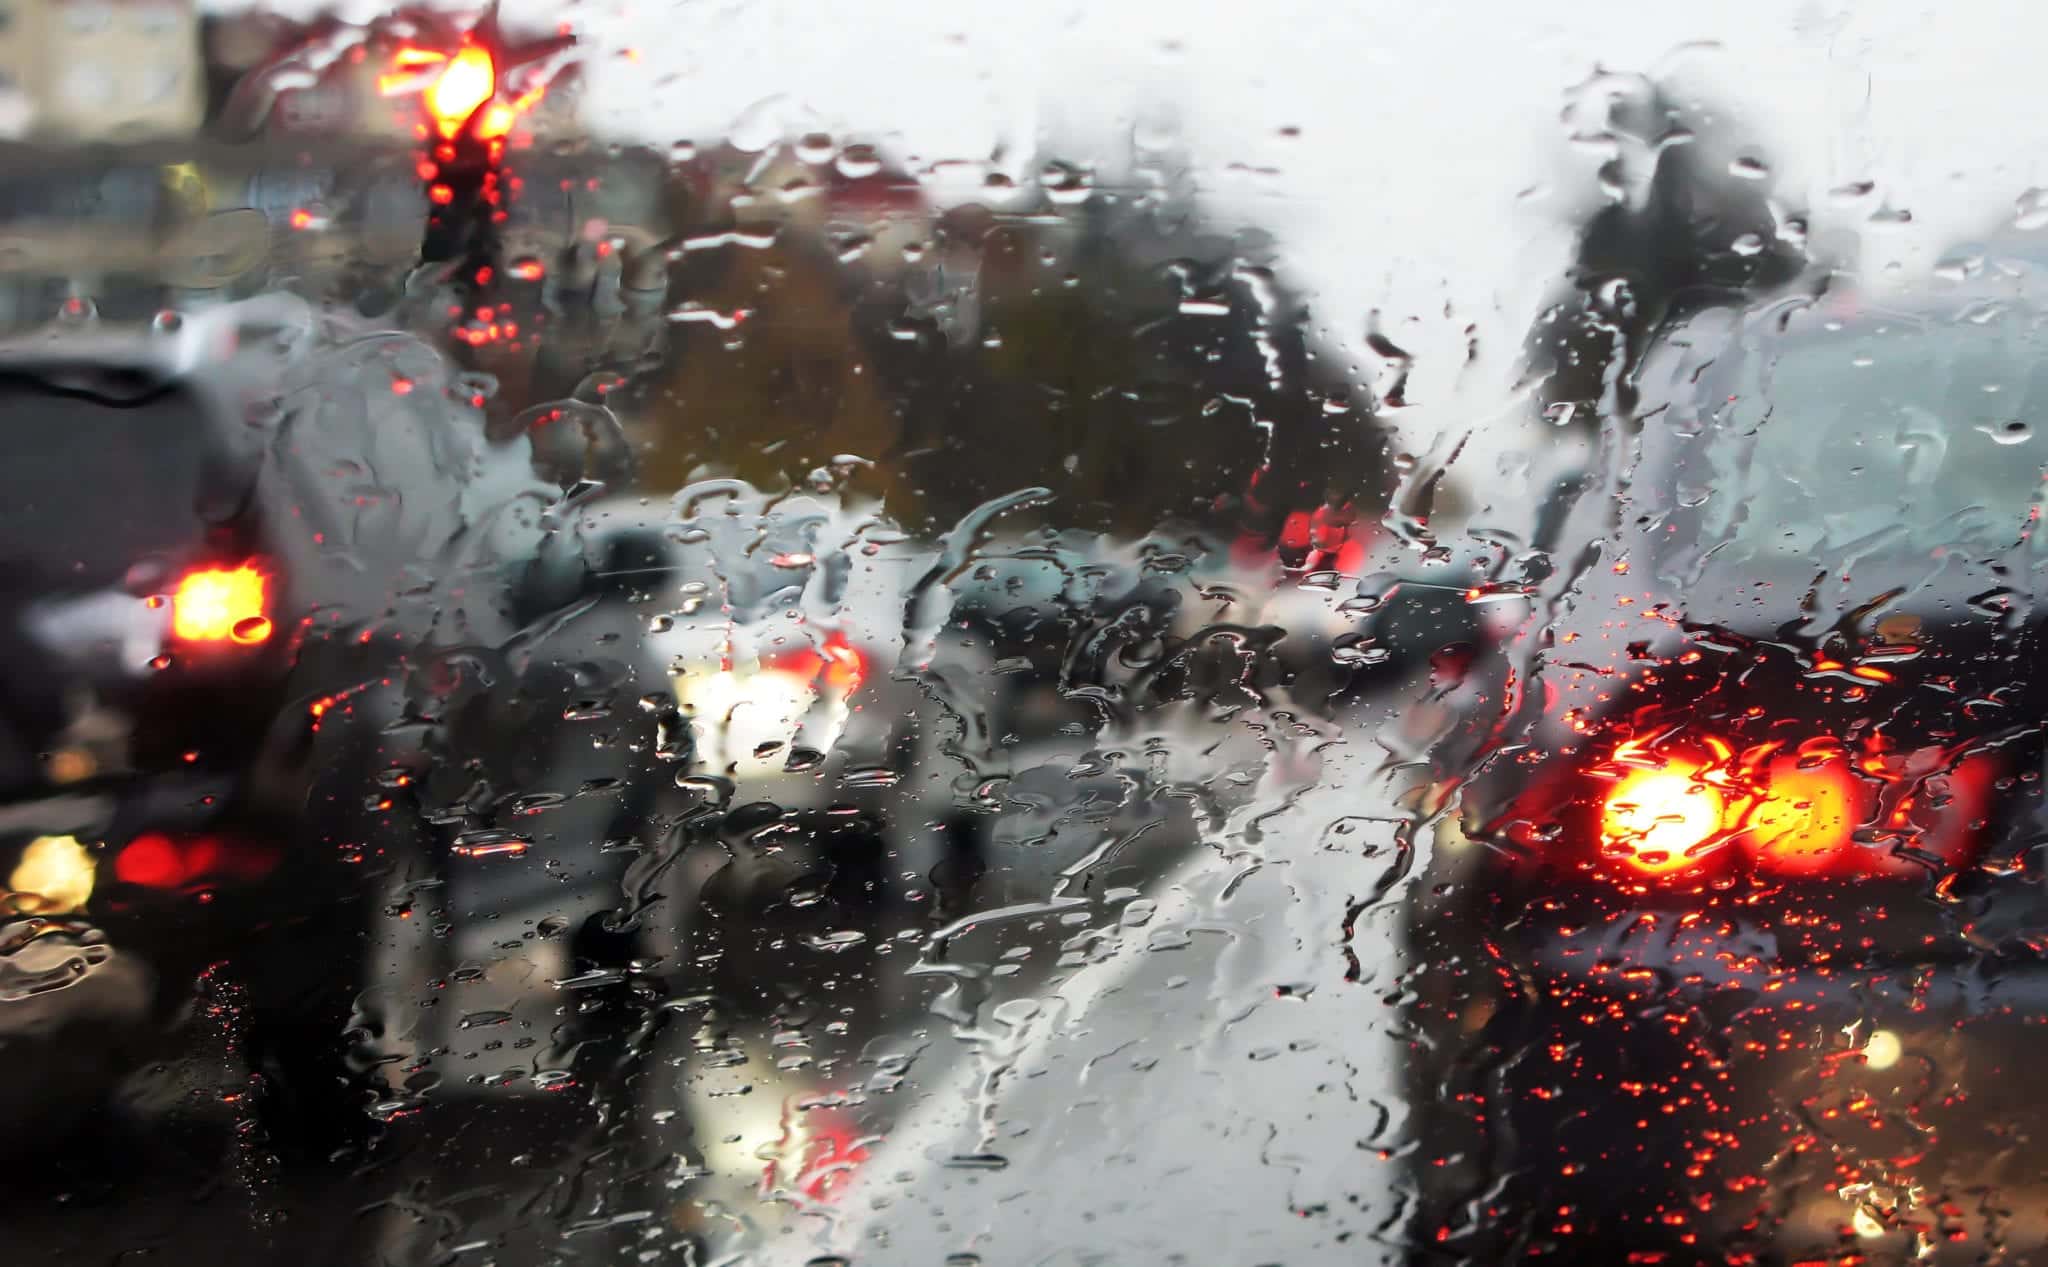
(1726, 944)
(215, 526)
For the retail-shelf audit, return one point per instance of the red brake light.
(845, 668)
(1674, 799)
(836, 665)
(222, 605)
(1656, 819)
(1804, 815)
(154, 860)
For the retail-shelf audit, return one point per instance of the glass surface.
(1902, 421)
(747, 634)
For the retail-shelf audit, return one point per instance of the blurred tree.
(1689, 223)
(1684, 229)
(1141, 365)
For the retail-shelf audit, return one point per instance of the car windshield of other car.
(1839, 428)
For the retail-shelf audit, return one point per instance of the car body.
(219, 528)
(1725, 941)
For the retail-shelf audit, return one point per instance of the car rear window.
(92, 483)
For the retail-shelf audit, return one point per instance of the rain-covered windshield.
(905, 635)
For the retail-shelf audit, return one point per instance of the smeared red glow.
(835, 1155)
(459, 91)
(1804, 816)
(499, 116)
(468, 80)
(820, 1149)
(1941, 811)
(1296, 531)
(845, 668)
(837, 665)
(156, 860)
(222, 605)
(1675, 796)
(150, 860)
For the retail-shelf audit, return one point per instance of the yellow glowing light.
(71, 765)
(1655, 818)
(745, 719)
(1806, 820)
(220, 604)
(468, 80)
(1883, 1050)
(57, 871)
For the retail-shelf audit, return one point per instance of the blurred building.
(100, 69)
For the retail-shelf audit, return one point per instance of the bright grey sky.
(1422, 127)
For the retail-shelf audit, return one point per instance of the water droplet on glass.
(2030, 210)
(2014, 432)
(488, 842)
(815, 147)
(1065, 185)
(838, 940)
(858, 162)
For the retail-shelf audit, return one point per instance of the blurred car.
(1730, 936)
(216, 533)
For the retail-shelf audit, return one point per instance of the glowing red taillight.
(1658, 820)
(1670, 805)
(222, 605)
(155, 860)
(1675, 800)
(1805, 816)
(836, 665)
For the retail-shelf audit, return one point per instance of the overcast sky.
(1410, 156)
